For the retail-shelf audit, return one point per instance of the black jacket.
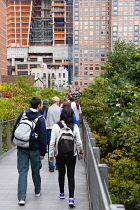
(43, 109)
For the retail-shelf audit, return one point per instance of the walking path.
(49, 199)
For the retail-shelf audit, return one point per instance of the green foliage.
(112, 107)
(16, 98)
(124, 60)
(48, 93)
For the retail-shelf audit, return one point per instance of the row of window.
(126, 13)
(93, 13)
(126, 34)
(91, 4)
(25, 66)
(88, 0)
(126, 18)
(126, 8)
(126, 28)
(126, 2)
(90, 22)
(89, 55)
(86, 55)
(126, 23)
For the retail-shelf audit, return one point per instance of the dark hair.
(35, 101)
(67, 116)
(71, 98)
(66, 104)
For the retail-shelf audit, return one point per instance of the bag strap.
(60, 124)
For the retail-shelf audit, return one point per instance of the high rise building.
(76, 34)
(38, 30)
(97, 25)
(3, 47)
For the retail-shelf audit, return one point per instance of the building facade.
(3, 46)
(37, 30)
(75, 34)
(96, 26)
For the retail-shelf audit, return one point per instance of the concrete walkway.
(49, 199)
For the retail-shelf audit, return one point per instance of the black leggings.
(70, 164)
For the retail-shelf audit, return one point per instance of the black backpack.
(65, 141)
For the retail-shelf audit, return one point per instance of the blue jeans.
(23, 159)
(51, 165)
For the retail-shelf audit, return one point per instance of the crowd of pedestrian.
(42, 136)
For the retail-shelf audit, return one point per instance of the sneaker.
(62, 196)
(21, 202)
(71, 202)
(51, 169)
(38, 195)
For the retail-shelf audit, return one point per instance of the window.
(34, 66)
(22, 73)
(22, 66)
(96, 73)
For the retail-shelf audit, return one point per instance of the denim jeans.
(51, 165)
(23, 159)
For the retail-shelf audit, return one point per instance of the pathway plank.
(49, 199)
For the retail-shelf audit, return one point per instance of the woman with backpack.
(65, 143)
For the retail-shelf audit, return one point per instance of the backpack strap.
(36, 119)
(60, 124)
(35, 122)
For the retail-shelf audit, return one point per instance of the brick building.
(3, 47)
(76, 34)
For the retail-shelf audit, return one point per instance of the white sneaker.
(21, 202)
(38, 195)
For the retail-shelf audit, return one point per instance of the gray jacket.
(53, 115)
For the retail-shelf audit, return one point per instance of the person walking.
(64, 161)
(44, 109)
(44, 112)
(76, 108)
(33, 154)
(69, 105)
(53, 116)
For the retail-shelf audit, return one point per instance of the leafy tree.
(112, 107)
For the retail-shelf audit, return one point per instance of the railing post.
(103, 168)
(0, 138)
(93, 142)
(104, 173)
(117, 207)
(96, 151)
(8, 136)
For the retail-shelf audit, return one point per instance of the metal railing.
(97, 174)
(6, 128)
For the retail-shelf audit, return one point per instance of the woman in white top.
(66, 120)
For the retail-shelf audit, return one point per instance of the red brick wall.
(14, 79)
(3, 47)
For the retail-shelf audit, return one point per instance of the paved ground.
(49, 199)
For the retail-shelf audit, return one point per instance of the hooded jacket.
(40, 129)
